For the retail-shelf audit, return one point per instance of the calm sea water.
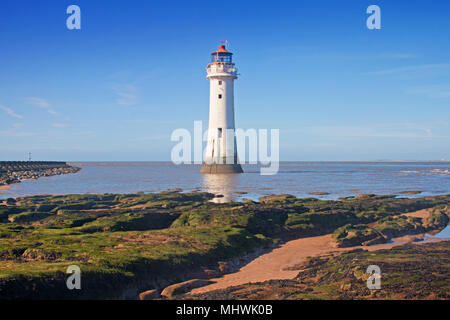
(297, 178)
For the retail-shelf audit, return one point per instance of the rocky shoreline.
(410, 271)
(126, 244)
(17, 171)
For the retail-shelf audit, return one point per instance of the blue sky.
(117, 88)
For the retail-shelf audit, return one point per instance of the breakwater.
(16, 171)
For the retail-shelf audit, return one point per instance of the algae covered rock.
(411, 192)
(40, 254)
(357, 235)
(27, 217)
(276, 197)
(365, 196)
(438, 219)
(149, 295)
(184, 287)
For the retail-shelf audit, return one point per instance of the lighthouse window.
(220, 82)
(220, 96)
(220, 133)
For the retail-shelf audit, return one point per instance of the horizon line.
(282, 161)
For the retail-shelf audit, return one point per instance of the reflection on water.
(220, 184)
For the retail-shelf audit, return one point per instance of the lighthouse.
(221, 152)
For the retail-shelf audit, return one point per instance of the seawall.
(16, 171)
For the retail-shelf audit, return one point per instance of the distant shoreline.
(283, 161)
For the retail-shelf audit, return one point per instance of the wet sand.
(275, 264)
(4, 187)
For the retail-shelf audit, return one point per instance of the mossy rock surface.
(356, 235)
(408, 272)
(123, 240)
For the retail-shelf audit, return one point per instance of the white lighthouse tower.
(221, 151)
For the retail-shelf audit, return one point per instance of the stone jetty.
(16, 171)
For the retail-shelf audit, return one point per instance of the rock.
(273, 197)
(411, 192)
(184, 287)
(356, 250)
(346, 286)
(39, 254)
(319, 193)
(413, 238)
(360, 274)
(346, 198)
(15, 171)
(365, 196)
(377, 240)
(11, 201)
(356, 235)
(224, 267)
(149, 295)
(210, 272)
(235, 262)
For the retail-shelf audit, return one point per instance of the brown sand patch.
(285, 262)
(424, 213)
(275, 264)
(411, 238)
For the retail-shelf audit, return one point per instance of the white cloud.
(397, 56)
(128, 94)
(16, 131)
(443, 67)
(432, 91)
(400, 130)
(59, 125)
(13, 133)
(42, 103)
(37, 102)
(150, 138)
(10, 112)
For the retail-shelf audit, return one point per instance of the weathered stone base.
(221, 168)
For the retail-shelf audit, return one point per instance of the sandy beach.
(280, 263)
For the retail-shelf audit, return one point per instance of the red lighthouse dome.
(221, 55)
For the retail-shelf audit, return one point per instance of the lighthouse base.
(221, 168)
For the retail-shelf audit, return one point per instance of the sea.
(336, 179)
